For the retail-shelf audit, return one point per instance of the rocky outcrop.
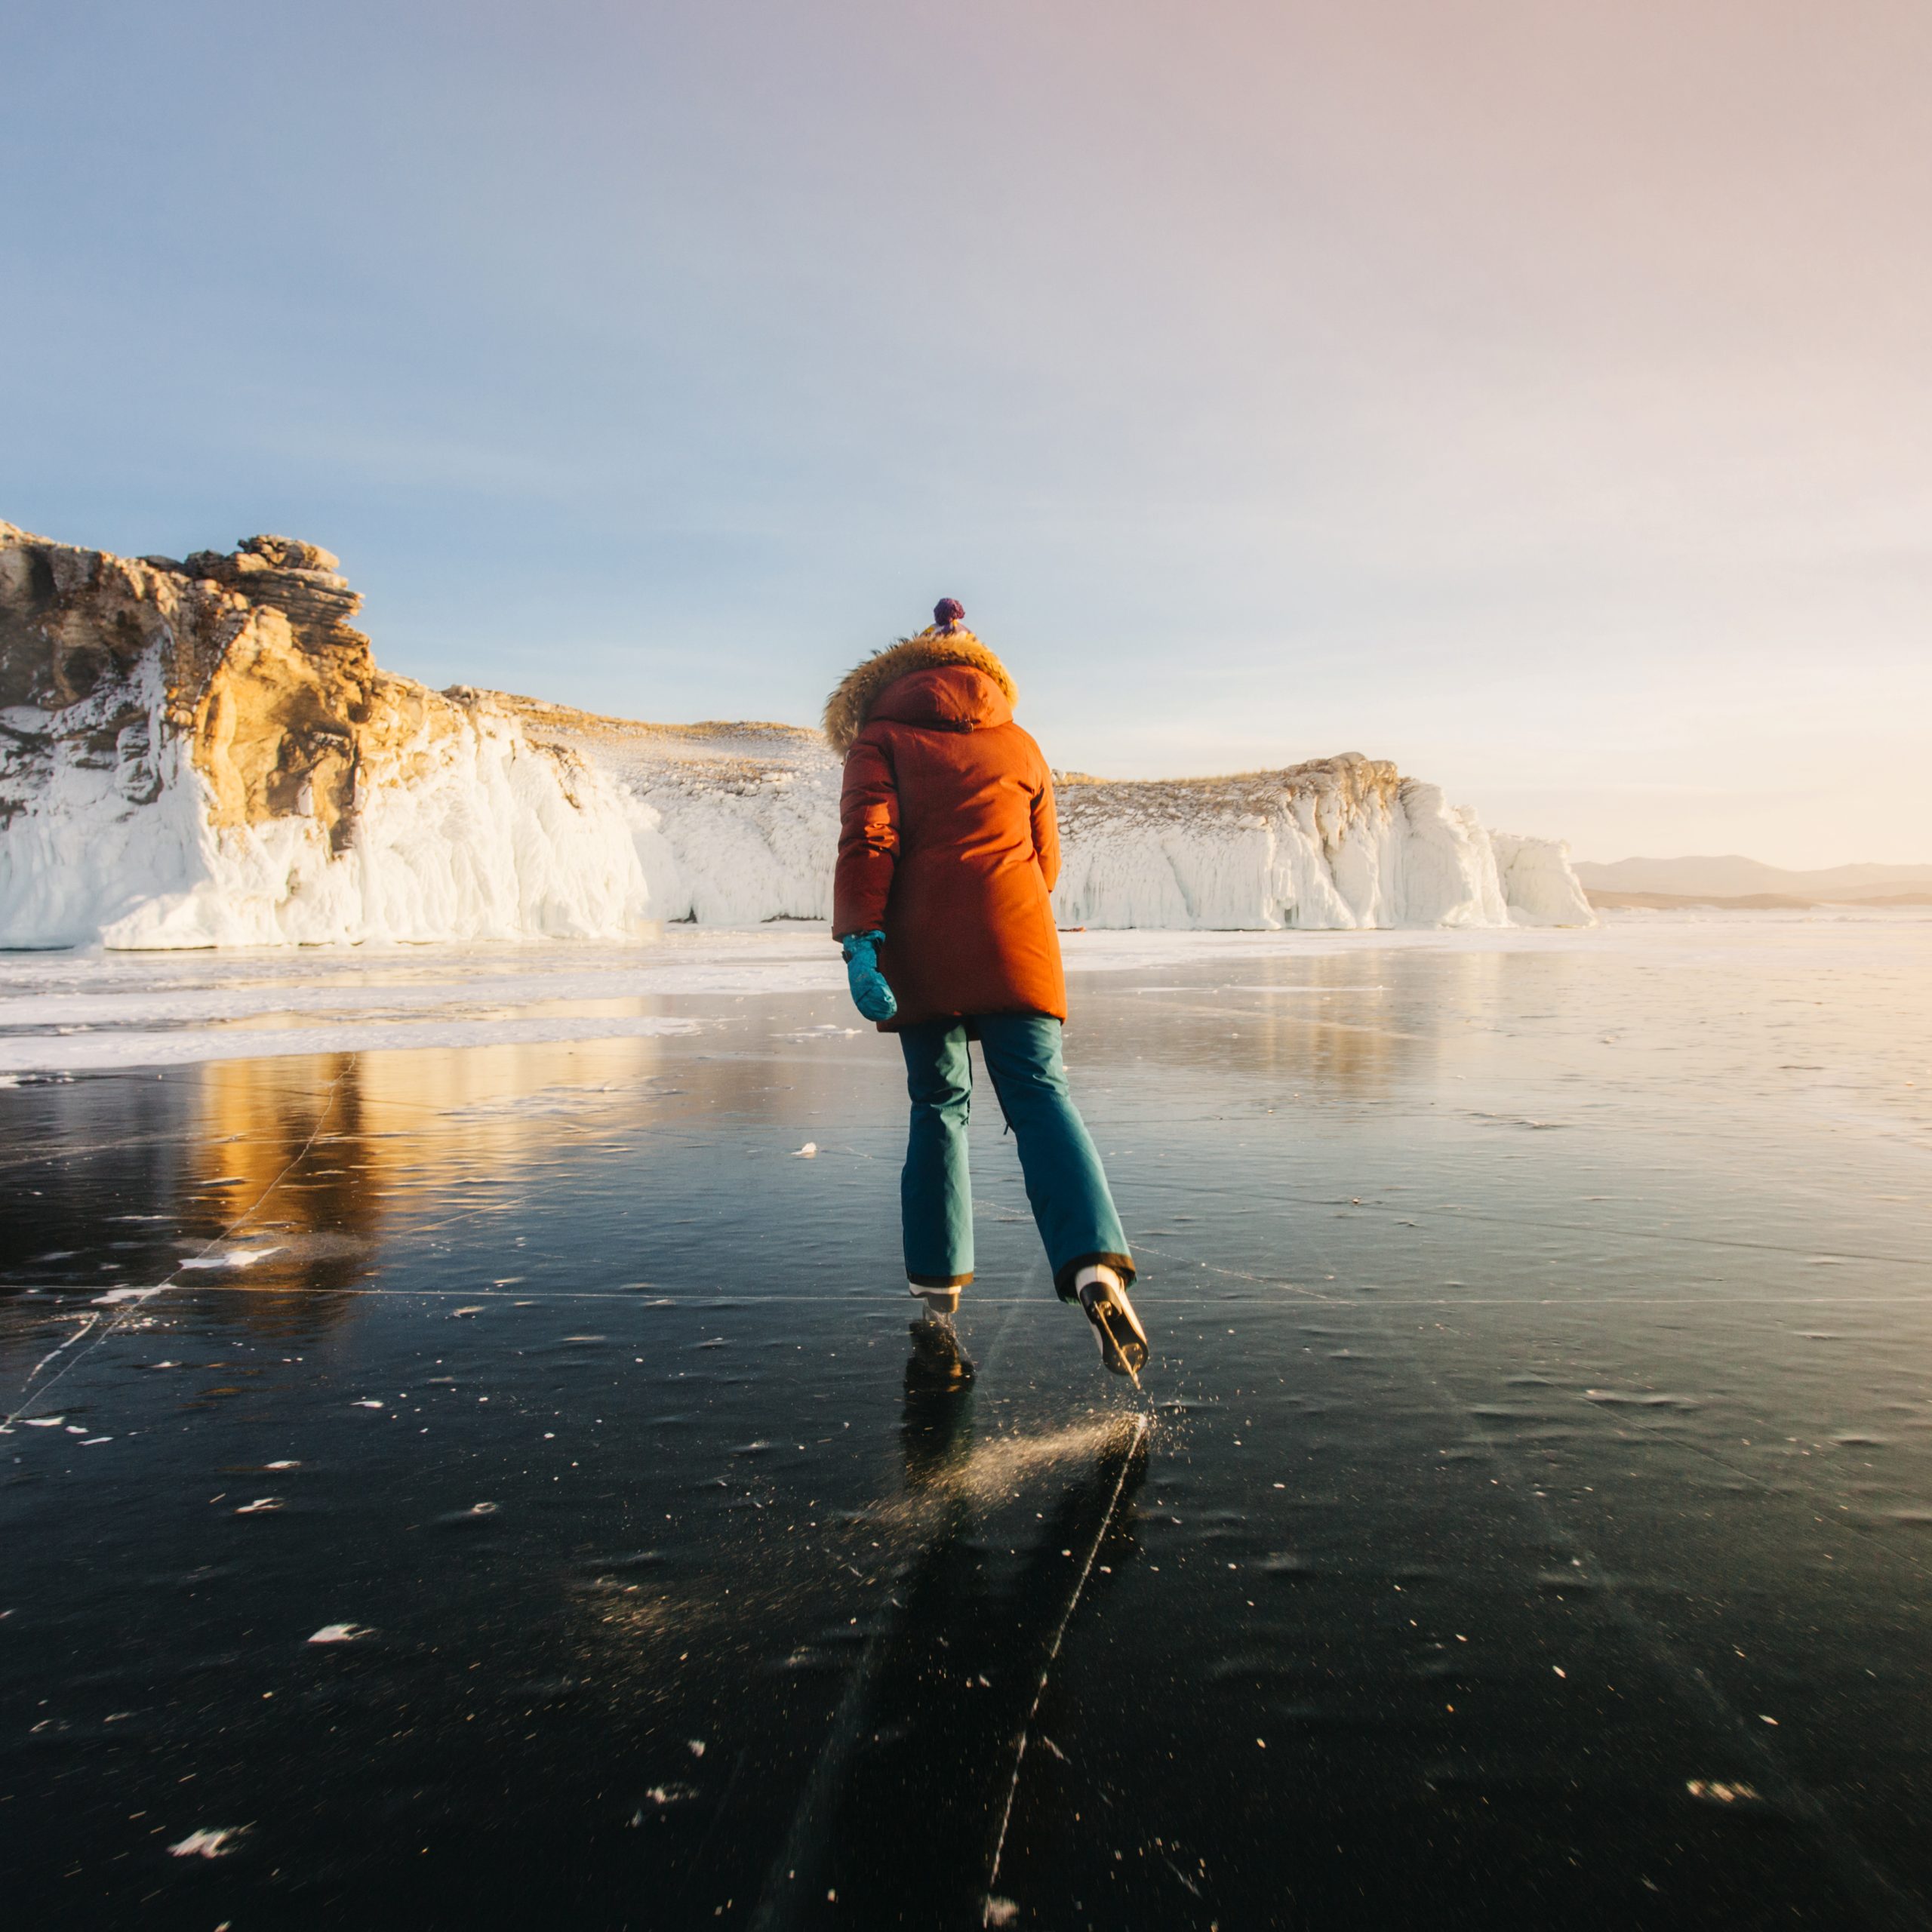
(206, 752)
(259, 674)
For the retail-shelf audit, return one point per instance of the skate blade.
(1121, 1355)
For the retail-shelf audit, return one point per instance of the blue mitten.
(870, 994)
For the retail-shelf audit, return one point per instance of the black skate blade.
(1114, 1357)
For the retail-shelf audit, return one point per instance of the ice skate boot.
(1117, 1328)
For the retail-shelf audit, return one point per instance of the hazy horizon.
(1714, 862)
(1538, 399)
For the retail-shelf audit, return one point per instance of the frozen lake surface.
(519, 1504)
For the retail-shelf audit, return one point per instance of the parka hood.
(943, 697)
(850, 707)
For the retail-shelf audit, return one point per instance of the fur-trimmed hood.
(851, 702)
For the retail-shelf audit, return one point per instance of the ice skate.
(937, 1360)
(1122, 1340)
(941, 1303)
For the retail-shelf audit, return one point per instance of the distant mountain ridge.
(1734, 877)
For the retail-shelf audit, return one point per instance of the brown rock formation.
(278, 700)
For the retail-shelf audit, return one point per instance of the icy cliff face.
(1538, 885)
(735, 823)
(1338, 843)
(1341, 842)
(738, 822)
(204, 753)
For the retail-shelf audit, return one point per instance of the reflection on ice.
(1503, 1479)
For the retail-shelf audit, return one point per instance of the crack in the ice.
(139, 1298)
(992, 1913)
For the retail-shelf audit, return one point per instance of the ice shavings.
(341, 1633)
(662, 1794)
(206, 1843)
(235, 1257)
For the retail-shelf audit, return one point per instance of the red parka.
(947, 839)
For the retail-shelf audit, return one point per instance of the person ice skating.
(947, 851)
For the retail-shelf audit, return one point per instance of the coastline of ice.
(72, 1013)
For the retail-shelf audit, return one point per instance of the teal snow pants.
(1065, 1184)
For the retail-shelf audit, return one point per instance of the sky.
(1537, 393)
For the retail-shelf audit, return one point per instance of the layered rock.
(206, 753)
(258, 672)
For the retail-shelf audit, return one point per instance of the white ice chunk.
(216, 1843)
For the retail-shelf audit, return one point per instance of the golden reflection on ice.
(311, 1155)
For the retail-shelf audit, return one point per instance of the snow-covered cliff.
(204, 753)
(1342, 842)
